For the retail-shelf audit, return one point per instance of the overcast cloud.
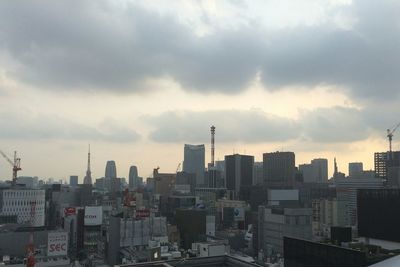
(23, 125)
(105, 46)
(322, 125)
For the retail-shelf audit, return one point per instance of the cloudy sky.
(138, 79)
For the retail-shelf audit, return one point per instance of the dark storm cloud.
(98, 45)
(95, 46)
(251, 126)
(26, 126)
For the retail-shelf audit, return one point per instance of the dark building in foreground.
(191, 224)
(378, 215)
(303, 253)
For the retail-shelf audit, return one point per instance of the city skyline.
(138, 80)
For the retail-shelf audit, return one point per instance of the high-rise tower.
(194, 161)
(111, 169)
(88, 177)
(133, 177)
(212, 145)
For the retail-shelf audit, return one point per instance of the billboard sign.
(238, 214)
(69, 211)
(93, 215)
(57, 244)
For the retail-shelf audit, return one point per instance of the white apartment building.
(20, 202)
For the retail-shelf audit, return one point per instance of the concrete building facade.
(20, 202)
(274, 223)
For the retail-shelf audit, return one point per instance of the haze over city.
(138, 79)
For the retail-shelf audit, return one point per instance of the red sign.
(58, 247)
(142, 213)
(69, 211)
(57, 244)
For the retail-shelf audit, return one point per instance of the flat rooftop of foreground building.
(389, 245)
(391, 262)
(216, 261)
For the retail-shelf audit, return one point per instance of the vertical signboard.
(57, 244)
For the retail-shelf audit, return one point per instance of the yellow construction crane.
(390, 135)
(16, 164)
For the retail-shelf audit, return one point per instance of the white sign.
(57, 244)
(93, 215)
(238, 214)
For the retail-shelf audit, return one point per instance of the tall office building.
(111, 169)
(355, 169)
(320, 168)
(73, 180)
(133, 177)
(315, 172)
(238, 172)
(194, 161)
(279, 169)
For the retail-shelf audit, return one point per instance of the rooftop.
(216, 261)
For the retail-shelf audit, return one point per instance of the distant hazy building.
(73, 180)
(184, 178)
(213, 178)
(355, 168)
(315, 172)
(134, 180)
(258, 173)
(194, 161)
(163, 182)
(220, 165)
(239, 172)
(111, 170)
(320, 167)
(279, 169)
(29, 182)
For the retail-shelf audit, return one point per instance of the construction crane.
(16, 164)
(390, 136)
(178, 168)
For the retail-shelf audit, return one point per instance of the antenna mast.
(212, 145)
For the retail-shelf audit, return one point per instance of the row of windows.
(23, 203)
(21, 209)
(23, 193)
